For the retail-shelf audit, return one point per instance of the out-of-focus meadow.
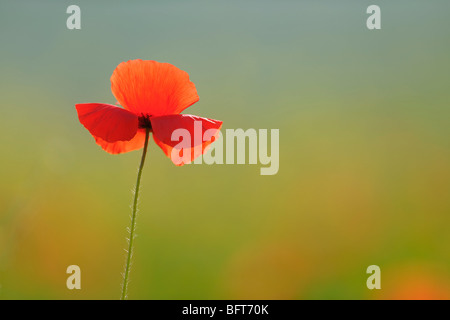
(364, 172)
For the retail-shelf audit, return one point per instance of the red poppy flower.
(152, 95)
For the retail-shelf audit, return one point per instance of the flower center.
(144, 122)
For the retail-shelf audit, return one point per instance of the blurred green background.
(364, 152)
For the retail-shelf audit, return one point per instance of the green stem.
(133, 219)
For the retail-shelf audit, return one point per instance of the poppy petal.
(108, 122)
(192, 140)
(137, 142)
(152, 88)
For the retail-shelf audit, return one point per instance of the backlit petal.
(123, 146)
(108, 122)
(153, 88)
(195, 134)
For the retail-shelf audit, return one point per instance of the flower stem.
(133, 219)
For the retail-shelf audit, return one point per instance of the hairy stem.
(133, 219)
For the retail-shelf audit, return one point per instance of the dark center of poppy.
(144, 122)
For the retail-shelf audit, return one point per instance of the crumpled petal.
(152, 88)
